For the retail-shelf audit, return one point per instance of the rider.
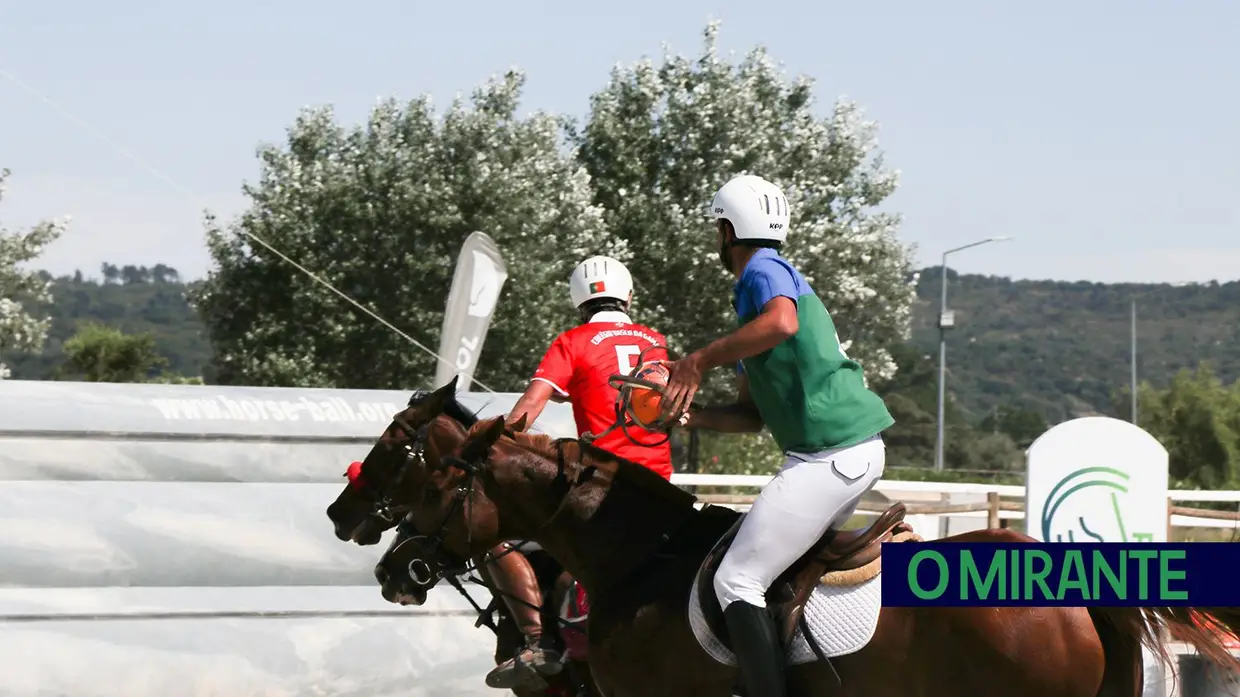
(796, 380)
(576, 369)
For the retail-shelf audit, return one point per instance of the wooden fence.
(992, 506)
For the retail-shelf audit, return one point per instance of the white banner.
(480, 275)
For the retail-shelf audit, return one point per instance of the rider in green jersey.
(795, 380)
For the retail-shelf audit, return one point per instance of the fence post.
(992, 510)
(1169, 502)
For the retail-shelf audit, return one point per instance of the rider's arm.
(550, 383)
(769, 288)
(776, 323)
(741, 417)
(532, 403)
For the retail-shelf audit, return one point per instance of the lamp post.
(947, 320)
(1133, 361)
(1132, 334)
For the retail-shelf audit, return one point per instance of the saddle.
(836, 551)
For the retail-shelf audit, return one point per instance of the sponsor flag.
(476, 284)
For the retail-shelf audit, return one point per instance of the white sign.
(1096, 479)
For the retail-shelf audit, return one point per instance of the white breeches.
(810, 494)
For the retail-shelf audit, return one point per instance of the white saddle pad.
(842, 620)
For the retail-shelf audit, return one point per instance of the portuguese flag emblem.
(597, 287)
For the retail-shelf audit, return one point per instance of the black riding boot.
(756, 644)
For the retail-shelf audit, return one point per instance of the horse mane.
(452, 407)
(545, 446)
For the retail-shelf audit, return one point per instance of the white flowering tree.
(20, 330)
(380, 211)
(661, 138)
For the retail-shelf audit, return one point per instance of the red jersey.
(578, 365)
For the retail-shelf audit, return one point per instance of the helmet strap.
(589, 308)
(725, 247)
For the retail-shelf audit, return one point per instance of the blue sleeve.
(767, 279)
(740, 368)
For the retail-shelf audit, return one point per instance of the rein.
(420, 570)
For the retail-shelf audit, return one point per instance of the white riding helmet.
(756, 208)
(599, 277)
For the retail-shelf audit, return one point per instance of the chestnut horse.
(636, 543)
(361, 514)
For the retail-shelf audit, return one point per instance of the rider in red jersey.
(576, 369)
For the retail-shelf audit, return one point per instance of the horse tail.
(1205, 628)
(1121, 640)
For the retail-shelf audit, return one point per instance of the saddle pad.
(842, 620)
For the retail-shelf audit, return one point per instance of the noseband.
(421, 570)
(415, 456)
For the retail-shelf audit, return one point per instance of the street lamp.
(947, 320)
(1133, 343)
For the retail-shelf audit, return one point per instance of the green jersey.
(811, 395)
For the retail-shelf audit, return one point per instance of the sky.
(1101, 136)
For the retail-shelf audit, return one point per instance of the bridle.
(415, 456)
(427, 576)
(420, 569)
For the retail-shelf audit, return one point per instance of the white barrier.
(172, 540)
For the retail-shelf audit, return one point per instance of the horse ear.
(494, 431)
(440, 397)
(519, 425)
(448, 389)
(476, 447)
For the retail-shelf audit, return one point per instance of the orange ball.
(644, 402)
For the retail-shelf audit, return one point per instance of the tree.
(163, 273)
(661, 138)
(98, 353)
(1197, 419)
(912, 397)
(381, 211)
(20, 331)
(133, 275)
(1021, 425)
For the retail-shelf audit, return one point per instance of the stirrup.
(527, 668)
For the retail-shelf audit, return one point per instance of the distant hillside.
(132, 298)
(1057, 348)
(1062, 349)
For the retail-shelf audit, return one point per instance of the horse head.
(367, 506)
(491, 489)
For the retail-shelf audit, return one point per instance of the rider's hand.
(686, 377)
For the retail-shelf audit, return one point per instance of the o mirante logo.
(1045, 574)
(1088, 504)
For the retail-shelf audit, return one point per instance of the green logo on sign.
(1095, 509)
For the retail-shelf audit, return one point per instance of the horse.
(362, 513)
(643, 552)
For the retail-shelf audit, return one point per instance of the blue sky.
(1101, 136)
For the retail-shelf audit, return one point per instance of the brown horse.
(362, 513)
(637, 544)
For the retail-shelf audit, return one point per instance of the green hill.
(132, 298)
(1062, 349)
(1057, 348)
